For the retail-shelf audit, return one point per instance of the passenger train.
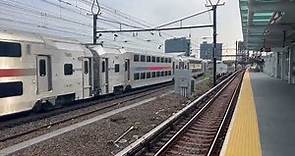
(37, 71)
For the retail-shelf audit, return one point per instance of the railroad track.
(120, 99)
(197, 129)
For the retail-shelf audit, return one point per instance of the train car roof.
(106, 50)
(32, 37)
(58, 43)
(101, 50)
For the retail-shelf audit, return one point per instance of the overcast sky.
(48, 16)
(162, 11)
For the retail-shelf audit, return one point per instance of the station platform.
(263, 122)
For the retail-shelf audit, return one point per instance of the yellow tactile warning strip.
(243, 136)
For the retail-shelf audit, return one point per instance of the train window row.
(117, 67)
(143, 58)
(9, 89)
(149, 75)
(8, 49)
(68, 69)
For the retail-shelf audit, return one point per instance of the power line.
(58, 18)
(184, 18)
(155, 29)
(105, 20)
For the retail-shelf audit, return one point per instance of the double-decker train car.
(122, 70)
(36, 71)
(149, 68)
(221, 68)
(196, 65)
(39, 71)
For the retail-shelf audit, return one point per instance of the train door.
(105, 75)
(181, 65)
(127, 71)
(44, 74)
(86, 77)
(173, 67)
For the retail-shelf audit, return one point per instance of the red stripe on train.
(158, 68)
(16, 72)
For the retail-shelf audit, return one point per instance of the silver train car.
(196, 65)
(38, 71)
(121, 70)
(221, 68)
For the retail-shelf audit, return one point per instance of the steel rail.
(204, 108)
(225, 117)
(146, 139)
(11, 137)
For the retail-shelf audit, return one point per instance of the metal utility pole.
(236, 59)
(214, 44)
(94, 28)
(214, 9)
(95, 14)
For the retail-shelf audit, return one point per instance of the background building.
(178, 45)
(206, 50)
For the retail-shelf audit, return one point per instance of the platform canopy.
(267, 23)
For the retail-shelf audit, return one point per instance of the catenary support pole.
(236, 58)
(214, 44)
(94, 28)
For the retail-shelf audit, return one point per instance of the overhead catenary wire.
(110, 18)
(156, 29)
(31, 15)
(184, 18)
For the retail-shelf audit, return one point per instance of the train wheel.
(127, 88)
(37, 107)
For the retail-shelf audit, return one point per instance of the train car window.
(162, 59)
(169, 60)
(142, 75)
(148, 75)
(103, 66)
(166, 60)
(117, 68)
(169, 73)
(142, 58)
(126, 66)
(11, 89)
(86, 67)
(8, 49)
(153, 74)
(162, 73)
(136, 58)
(136, 76)
(148, 59)
(68, 69)
(153, 59)
(166, 73)
(42, 68)
(158, 59)
(158, 74)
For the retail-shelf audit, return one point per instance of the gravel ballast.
(98, 138)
